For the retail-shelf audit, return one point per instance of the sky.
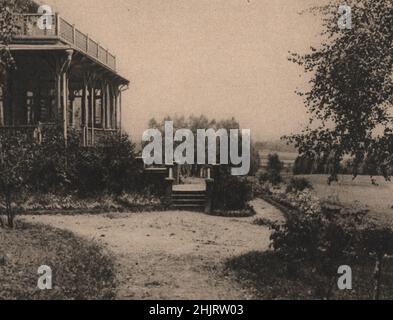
(220, 58)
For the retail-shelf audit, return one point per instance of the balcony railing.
(30, 26)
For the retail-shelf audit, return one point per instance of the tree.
(351, 91)
(16, 157)
(274, 168)
(8, 24)
(194, 123)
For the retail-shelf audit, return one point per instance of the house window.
(75, 110)
(99, 110)
(31, 112)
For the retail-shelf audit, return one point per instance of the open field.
(284, 156)
(287, 158)
(348, 192)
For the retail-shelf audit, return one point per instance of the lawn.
(288, 158)
(80, 268)
(348, 192)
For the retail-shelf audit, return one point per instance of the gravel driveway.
(172, 255)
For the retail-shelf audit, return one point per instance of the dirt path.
(172, 255)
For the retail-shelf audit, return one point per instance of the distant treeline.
(307, 165)
(276, 145)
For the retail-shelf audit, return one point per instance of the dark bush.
(108, 167)
(16, 156)
(320, 239)
(263, 177)
(120, 169)
(88, 173)
(49, 167)
(298, 184)
(273, 170)
(231, 192)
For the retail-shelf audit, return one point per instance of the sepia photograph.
(196, 150)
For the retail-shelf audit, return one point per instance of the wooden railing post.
(57, 24)
(73, 34)
(169, 181)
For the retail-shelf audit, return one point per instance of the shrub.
(318, 238)
(16, 156)
(120, 170)
(88, 175)
(273, 170)
(48, 167)
(53, 163)
(230, 192)
(109, 167)
(298, 184)
(376, 242)
(263, 177)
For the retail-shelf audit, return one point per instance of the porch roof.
(64, 36)
(63, 47)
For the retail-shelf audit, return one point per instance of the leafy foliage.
(53, 167)
(351, 88)
(16, 157)
(120, 167)
(194, 123)
(273, 170)
(8, 25)
(324, 237)
(298, 184)
(318, 238)
(230, 192)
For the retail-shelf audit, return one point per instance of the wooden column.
(109, 115)
(120, 111)
(115, 96)
(65, 105)
(93, 111)
(114, 104)
(62, 65)
(85, 113)
(73, 109)
(103, 111)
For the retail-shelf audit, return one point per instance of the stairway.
(189, 200)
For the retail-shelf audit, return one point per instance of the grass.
(359, 192)
(266, 275)
(81, 270)
(72, 204)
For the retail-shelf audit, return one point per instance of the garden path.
(172, 255)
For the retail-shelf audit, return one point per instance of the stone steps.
(189, 200)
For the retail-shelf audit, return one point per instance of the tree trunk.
(10, 214)
(377, 277)
(331, 283)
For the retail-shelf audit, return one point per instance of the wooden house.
(62, 78)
